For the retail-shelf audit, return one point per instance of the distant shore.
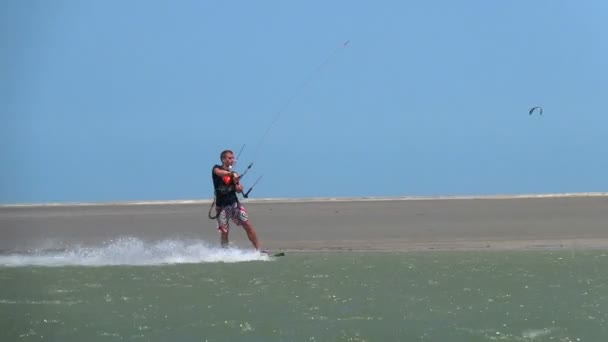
(315, 199)
(492, 222)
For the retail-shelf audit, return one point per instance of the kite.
(533, 108)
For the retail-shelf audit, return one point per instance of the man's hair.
(224, 153)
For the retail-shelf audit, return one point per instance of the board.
(274, 255)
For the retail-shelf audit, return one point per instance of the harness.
(213, 204)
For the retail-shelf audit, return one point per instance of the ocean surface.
(128, 290)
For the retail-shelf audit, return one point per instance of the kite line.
(284, 107)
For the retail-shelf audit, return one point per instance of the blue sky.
(134, 100)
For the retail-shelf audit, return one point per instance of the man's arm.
(219, 172)
(223, 173)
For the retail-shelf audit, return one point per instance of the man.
(227, 206)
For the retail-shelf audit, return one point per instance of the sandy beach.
(488, 223)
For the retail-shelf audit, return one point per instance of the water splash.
(132, 251)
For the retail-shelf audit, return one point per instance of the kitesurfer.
(226, 185)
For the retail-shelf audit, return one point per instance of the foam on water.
(132, 251)
(534, 333)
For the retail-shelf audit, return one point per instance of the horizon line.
(312, 199)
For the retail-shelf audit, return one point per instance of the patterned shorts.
(237, 213)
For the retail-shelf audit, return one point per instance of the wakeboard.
(274, 255)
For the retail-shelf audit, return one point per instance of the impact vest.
(225, 194)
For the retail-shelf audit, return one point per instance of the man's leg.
(242, 219)
(251, 235)
(222, 226)
(224, 239)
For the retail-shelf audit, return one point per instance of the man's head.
(227, 157)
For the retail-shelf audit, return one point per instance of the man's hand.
(235, 178)
(238, 188)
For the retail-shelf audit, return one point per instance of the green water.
(342, 296)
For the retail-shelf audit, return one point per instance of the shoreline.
(309, 199)
(467, 246)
